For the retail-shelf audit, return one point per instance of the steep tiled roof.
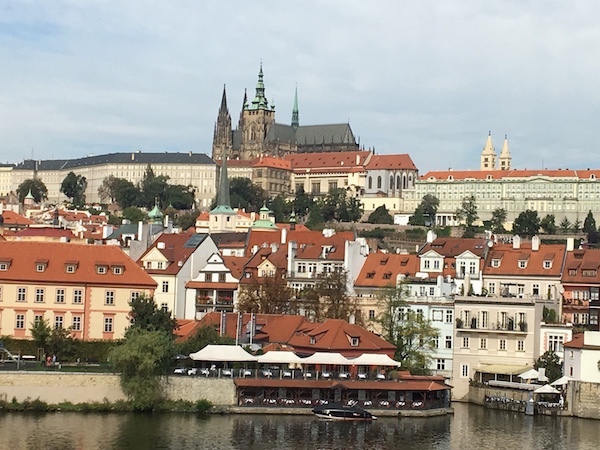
(509, 258)
(301, 235)
(22, 257)
(328, 162)
(175, 251)
(382, 269)
(580, 261)
(314, 248)
(453, 247)
(235, 264)
(391, 162)
(13, 218)
(47, 232)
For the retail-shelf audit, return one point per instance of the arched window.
(404, 183)
(410, 180)
(370, 183)
(391, 186)
(398, 182)
(378, 182)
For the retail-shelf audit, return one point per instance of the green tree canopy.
(302, 203)
(281, 208)
(589, 224)
(187, 220)
(205, 335)
(74, 186)
(527, 223)
(498, 219)
(179, 197)
(337, 206)
(266, 295)
(468, 213)
(426, 211)
(36, 186)
(381, 215)
(565, 225)
(134, 214)
(329, 298)
(551, 362)
(153, 187)
(146, 315)
(144, 355)
(412, 334)
(548, 224)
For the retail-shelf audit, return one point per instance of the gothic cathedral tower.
(223, 134)
(488, 155)
(257, 118)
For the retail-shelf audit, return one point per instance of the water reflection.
(472, 427)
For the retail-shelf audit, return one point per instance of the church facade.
(258, 134)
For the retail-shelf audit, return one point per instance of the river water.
(471, 427)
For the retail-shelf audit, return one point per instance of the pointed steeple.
(223, 201)
(505, 158)
(295, 114)
(223, 101)
(223, 135)
(488, 155)
(260, 101)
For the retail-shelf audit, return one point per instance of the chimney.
(273, 247)
(570, 244)
(357, 159)
(133, 156)
(283, 235)
(431, 236)
(535, 243)
(517, 242)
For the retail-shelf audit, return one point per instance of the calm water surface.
(472, 427)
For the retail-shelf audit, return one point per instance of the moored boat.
(337, 411)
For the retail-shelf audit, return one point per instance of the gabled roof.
(510, 258)
(46, 232)
(391, 162)
(13, 218)
(453, 247)
(578, 261)
(235, 264)
(23, 256)
(328, 161)
(175, 249)
(382, 269)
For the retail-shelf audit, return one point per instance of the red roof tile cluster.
(174, 251)
(13, 218)
(453, 247)
(582, 267)
(329, 162)
(50, 232)
(23, 257)
(382, 269)
(508, 174)
(391, 162)
(509, 257)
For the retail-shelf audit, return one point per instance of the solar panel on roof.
(193, 241)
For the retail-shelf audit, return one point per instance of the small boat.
(337, 411)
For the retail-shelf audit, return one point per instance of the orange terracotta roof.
(382, 269)
(391, 162)
(328, 161)
(235, 264)
(174, 251)
(578, 261)
(47, 232)
(504, 174)
(24, 254)
(510, 257)
(578, 341)
(275, 163)
(211, 285)
(453, 247)
(12, 218)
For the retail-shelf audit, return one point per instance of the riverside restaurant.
(284, 379)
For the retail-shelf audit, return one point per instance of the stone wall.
(57, 387)
(584, 399)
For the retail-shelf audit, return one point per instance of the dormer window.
(547, 264)
(70, 267)
(387, 275)
(312, 340)
(159, 265)
(383, 262)
(354, 341)
(522, 263)
(370, 275)
(572, 272)
(117, 270)
(40, 267)
(5, 264)
(100, 270)
(495, 263)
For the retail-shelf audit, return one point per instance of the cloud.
(427, 78)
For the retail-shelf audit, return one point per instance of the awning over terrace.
(374, 359)
(223, 353)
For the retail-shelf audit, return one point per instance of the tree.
(40, 332)
(153, 187)
(142, 357)
(146, 315)
(551, 362)
(179, 197)
(281, 208)
(37, 188)
(329, 297)
(381, 215)
(426, 211)
(106, 191)
(266, 295)
(576, 227)
(412, 334)
(548, 224)
(244, 194)
(126, 194)
(589, 224)
(565, 225)
(187, 220)
(74, 186)
(302, 203)
(61, 342)
(468, 213)
(498, 218)
(133, 214)
(527, 223)
(315, 216)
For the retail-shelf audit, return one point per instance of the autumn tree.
(38, 190)
(329, 298)
(413, 335)
(266, 295)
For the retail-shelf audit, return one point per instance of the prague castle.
(258, 134)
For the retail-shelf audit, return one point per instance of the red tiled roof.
(505, 174)
(174, 252)
(24, 254)
(328, 161)
(12, 218)
(453, 247)
(47, 232)
(391, 162)
(580, 260)
(382, 269)
(235, 264)
(510, 257)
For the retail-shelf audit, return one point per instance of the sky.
(427, 78)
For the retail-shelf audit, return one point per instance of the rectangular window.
(522, 264)
(134, 296)
(436, 342)
(38, 319)
(371, 314)
(441, 364)
(492, 288)
(221, 278)
(109, 298)
(3, 266)
(40, 267)
(39, 295)
(315, 188)
(483, 343)
(555, 343)
(464, 371)
(101, 270)
(484, 319)
(465, 342)
(60, 296)
(20, 322)
(70, 269)
(108, 324)
(437, 315)
(118, 270)
(165, 286)
(449, 315)
(426, 264)
(520, 346)
(77, 296)
(159, 265)
(58, 322)
(502, 344)
(76, 323)
(208, 277)
(448, 341)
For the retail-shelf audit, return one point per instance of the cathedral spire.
(260, 101)
(295, 115)
(505, 158)
(488, 155)
(223, 101)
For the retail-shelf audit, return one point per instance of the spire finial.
(295, 112)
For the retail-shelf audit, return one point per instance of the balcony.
(508, 327)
